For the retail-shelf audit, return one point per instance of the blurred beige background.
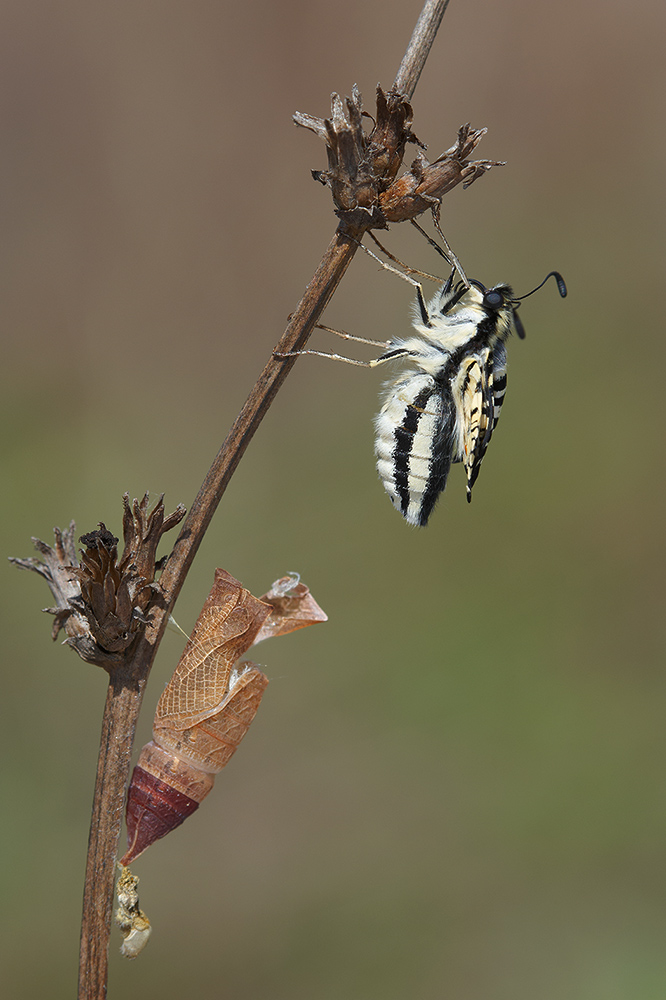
(455, 787)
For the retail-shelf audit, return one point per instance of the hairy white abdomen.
(413, 444)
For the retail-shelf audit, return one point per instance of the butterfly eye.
(493, 300)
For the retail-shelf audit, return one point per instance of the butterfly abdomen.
(413, 445)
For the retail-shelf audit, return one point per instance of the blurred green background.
(455, 787)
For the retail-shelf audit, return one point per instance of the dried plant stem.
(419, 46)
(335, 262)
(126, 689)
(121, 710)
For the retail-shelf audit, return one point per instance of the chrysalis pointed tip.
(153, 810)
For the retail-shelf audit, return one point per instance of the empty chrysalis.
(208, 705)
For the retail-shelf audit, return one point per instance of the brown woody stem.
(121, 710)
(126, 687)
(419, 46)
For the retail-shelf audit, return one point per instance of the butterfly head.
(497, 300)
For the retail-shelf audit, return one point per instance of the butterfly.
(444, 407)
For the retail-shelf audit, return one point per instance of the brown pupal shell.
(202, 715)
(210, 743)
(154, 808)
(292, 607)
(163, 792)
(208, 705)
(226, 628)
(171, 779)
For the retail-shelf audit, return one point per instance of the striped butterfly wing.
(482, 387)
(414, 445)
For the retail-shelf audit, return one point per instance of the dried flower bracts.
(209, 703)
(362, 167)
(103, 601)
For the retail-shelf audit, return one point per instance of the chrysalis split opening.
(443, 409)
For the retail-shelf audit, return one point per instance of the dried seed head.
(362, 168)
(361, 165)
(390, 135)
(105, 592)
(102, 601)
(424, 185)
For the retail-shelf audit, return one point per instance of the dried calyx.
(362, 167)
(102, 601)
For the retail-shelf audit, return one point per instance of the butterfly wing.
(475, 404)
(497, 383)
(483, 386)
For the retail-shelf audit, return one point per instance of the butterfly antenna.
(561, 286)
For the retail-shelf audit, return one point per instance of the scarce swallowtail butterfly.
(444, 407)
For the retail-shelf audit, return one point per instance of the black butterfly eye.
(493, 300)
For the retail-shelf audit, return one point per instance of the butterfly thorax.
(469, 328)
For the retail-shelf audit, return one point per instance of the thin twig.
(419, 46)
(327, 277)
(125, 692)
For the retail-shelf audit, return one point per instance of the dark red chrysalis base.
(153, 810)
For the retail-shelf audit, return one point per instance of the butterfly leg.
(390, 356)
(350, 336)
(436, 209)
(406, 277)
(406, 267)
(323, 354)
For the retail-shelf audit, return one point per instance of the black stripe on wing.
(493, 391)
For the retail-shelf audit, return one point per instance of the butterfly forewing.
(480, 389)
(469, 393)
